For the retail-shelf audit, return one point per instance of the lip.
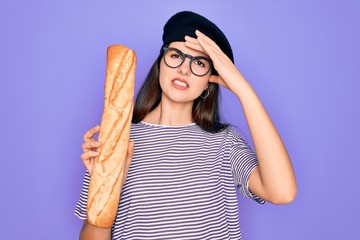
(177, 86)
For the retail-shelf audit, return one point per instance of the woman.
(186, 163)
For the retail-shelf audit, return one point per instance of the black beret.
(186, 22)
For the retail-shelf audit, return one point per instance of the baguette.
(108, 171)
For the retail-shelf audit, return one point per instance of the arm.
(91, 148)
(89, 232)
(273, 179)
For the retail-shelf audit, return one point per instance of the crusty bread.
(108, 171)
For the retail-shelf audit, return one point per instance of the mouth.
(180, 83)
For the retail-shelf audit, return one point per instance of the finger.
(206, 39)
(88, 136)
(191, 39)
(130, 150)
(219, 58)
(88, 146)
(211, 50)
(86, 156)
(193, 44)
(211, 47)
(89, 166)
(128, 159)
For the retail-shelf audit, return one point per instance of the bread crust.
(108, 170)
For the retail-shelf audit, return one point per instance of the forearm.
(89, 232)
(274, 179)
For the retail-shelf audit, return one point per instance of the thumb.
(130, 152)
(129, 155)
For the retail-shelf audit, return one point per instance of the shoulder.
(234, 136)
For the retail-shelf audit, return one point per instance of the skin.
(273, 180)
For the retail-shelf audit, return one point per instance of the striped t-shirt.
(181, 184)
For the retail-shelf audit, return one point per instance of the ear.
(219, 80)
(213, 79)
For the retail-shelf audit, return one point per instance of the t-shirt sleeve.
(243, 161)
(80, 209)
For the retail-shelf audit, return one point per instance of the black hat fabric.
(186, 23)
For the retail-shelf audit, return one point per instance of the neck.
(171, 114)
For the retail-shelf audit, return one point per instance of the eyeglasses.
(199, 65)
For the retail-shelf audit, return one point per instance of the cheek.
(199, 88)
(203, 83)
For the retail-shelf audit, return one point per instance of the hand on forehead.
(186, 23)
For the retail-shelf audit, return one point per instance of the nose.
(184, 68)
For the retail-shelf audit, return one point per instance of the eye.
(175, 54)
(201, 63)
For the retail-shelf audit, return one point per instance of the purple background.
(302, 57)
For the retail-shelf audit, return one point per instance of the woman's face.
(180, 84)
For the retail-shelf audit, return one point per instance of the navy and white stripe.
(181, 184)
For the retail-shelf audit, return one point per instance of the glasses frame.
(192, 58)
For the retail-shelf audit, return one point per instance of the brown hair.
(205, 110)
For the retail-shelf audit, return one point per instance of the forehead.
(182, 47)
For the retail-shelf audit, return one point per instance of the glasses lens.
(200, 66)
(173, 58)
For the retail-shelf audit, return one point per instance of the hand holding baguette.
(91, 151)
(108, 170)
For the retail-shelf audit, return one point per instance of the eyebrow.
(204, 55)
